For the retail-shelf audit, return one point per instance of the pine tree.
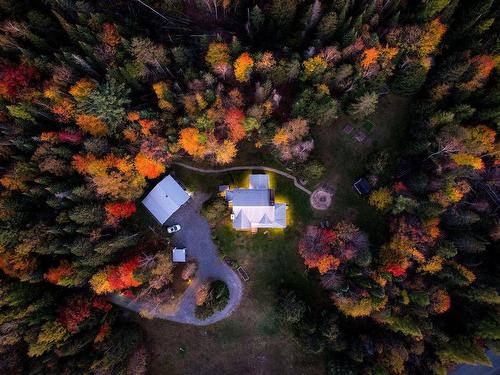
(432, 8)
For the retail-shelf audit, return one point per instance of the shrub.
(217, 299)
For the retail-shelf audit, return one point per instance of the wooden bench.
(243, 273)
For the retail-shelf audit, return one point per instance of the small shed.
(179, 255)
(363, 186)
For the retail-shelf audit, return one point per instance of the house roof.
(254, 207)
(259, 181)
(280, 214)
(363, 186)
(165, 198)
(250, 197)
(241, 220)
(179, 255)
(259, 217)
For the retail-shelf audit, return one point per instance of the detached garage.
(166, 198)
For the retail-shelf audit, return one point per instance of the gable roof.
(280, 215)
(253, 217)
(254, 207)
(241, 220)
(250, 197)
(265, 220)
(259, 181)
(165, 198)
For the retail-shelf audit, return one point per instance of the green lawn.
(345, 159)
(253, 332)
(270, 256)
(252, 340)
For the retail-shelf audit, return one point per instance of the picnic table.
(360, 137)
(348, 128)
(243, 273)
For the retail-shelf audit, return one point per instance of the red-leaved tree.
(73, 313)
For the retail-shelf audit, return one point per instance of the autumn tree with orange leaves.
(225, 152)
(147, 167)
(92, 125)
(189, 140)
(116, 278)
(243, 67)
(234, 119)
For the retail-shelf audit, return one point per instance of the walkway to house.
(246, 167)
(195, 236)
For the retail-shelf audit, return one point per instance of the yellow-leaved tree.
(243, 67)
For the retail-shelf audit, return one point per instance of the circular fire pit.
(321, 199)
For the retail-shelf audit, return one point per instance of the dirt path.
(246, 167)
(195, 235)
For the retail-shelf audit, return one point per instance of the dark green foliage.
(215, 210)
(461, 218)
(340, 367)
(447, 249)
(314, 170)
(316, 106)
(218, 298)
(469, 243)
(462, 350)
(486, 295)
(431, 8)
(108, 103)
(87, 214)
(327, 26)
(283, 13)
(257, 19)
(118, 243)
(290, 308)
(410, 79)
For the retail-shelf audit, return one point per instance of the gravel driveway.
(195, 236)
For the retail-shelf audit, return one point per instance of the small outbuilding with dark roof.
(363, 186)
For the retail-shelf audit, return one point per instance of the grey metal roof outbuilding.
(179, 255)
(165, 198)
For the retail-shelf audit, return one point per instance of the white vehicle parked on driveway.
(174, 228)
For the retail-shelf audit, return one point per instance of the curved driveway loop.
(195, 236)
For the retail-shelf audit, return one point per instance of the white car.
(174, 228)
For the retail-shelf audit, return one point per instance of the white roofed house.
(165, 198)
(254, 207)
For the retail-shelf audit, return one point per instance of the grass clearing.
(345, 159)
(252, 340)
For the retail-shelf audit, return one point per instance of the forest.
(98, 99)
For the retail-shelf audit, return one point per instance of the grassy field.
(345, 159)
(252, 340)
